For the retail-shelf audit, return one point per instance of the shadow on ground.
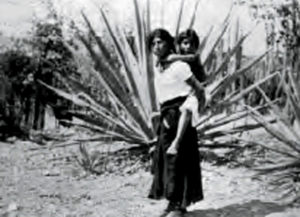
(254, 208)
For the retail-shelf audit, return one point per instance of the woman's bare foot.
(176, 213)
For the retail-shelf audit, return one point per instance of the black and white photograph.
(149, 108)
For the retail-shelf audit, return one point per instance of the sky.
(16, 15)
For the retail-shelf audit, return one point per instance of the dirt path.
(44, 183)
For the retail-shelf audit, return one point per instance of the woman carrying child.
(176, 173)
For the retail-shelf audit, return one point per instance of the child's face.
(187, 47)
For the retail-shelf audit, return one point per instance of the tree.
(54, 60)
(16, 68)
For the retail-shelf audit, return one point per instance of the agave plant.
(130, 87)
(285, 167)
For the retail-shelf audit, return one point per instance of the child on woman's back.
(187, 44)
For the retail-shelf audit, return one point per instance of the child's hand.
(208, 99)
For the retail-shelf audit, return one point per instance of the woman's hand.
(172, 150)
(151, 150)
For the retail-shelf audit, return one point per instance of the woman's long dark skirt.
(176, 177)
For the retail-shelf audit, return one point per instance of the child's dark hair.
(164, 35)
(188, 34)
(196, 66)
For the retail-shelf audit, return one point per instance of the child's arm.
(184, 121)
(182, 57)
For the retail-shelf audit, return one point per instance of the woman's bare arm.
(184, 121)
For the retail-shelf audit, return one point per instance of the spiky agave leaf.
(229, 78)
(103, 135)
(203, 42)
(227, 118)
(194, 14)
(145, 61)
(148, 17)
(293, 93)
(224, 125)
(237, 95)
(179, 18)
(106, 58)
(122, 55)
(285, 153)
(225, 26)
(143, 26)
(139, 32)
(130, 63)
(85, 161)
(213, 134)
(274, 131)
(279, 167)
(223, 128)
(226, 60)
(105, 125)
(293, 84)
(107, 76)
(212, 50)
(282, 119)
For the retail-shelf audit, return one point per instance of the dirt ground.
(38, 182)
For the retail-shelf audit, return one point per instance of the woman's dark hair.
(188, 34)
(162, 34)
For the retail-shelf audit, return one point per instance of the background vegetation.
(102, 82)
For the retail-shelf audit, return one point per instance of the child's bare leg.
(184, 121)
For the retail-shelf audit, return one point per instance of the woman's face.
(187, 47)
(159, 47)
